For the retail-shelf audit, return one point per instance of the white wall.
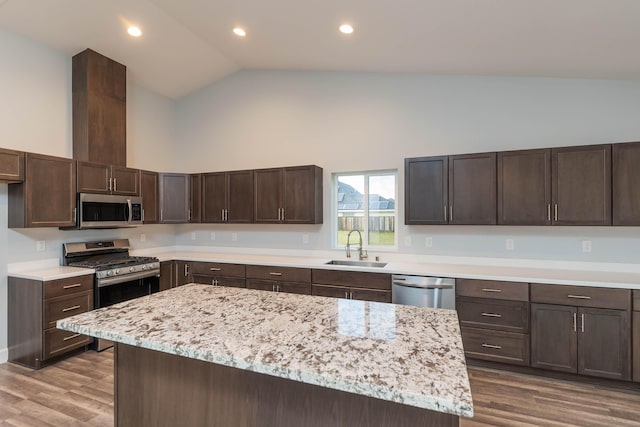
(357, 121)
(35, 113)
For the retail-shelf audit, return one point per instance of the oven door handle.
(127, 278)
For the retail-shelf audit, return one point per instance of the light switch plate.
(193, 235)
(305, 239)
(509, 244)
(428, 242)
(41, 246)
(212, 235)
(407, 241)
(143, 237)
(586, 246)
(234, 237)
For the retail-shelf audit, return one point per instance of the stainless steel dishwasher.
(421, 291)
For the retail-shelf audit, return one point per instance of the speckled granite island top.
(402, 354)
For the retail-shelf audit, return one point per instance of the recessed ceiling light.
(239, 32)
(346, 29)
(134, 31)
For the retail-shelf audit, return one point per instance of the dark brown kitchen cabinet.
(47, 197)
(168, 278)
(108, 179)
(218, 274)
(626, 183)
(524, 187)
(589, 337)
(581, 185)
(33, 309)
(182, 273)
(149, 193)
(174, 198)
(426, 195)
(279, 279)
(451, 190)
(228, 197)
(636, 335)
(291, 195)
(99, 92)
(352, 285)
(11, 166)
(373, 295)
(195, 197)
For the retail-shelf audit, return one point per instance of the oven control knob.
(144, 267)
(131, 269)
(118, 271)
(109, 273)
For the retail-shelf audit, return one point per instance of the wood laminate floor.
(79, 392)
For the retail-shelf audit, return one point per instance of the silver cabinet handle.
(215, 269)
(351, 295)
(213, 282)
(277, 288)
(283, 214)
(346, 294)
(226, 215)
(574, 322)
(549, 212)
(75, 215)
(115, 184)
(186, 270)
(75, 285)
(143, 215)
(582, 322)
(75, 307)
(493, 346)
(161, 215)
(491, 315)
(188, 214)
(273, 288)
(222, 215)
(275, 274)
(445, 213)
(555, 212)
(491, 290)
(450, 212)
(579, 296)
(70, 337)
(109, 186)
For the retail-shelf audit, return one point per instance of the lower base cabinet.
(373, 295)
(496, 346)
(636, 346)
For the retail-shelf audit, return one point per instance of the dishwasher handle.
(419, 285)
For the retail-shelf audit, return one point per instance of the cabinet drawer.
(233, 282)
(497, 346)
(515, 291)
(68, 286)
(330, 291)
(511, 316)
(262, 285)
(355, 279)
(299, 288)
(57, 342)
(286, 274)
(218, 269)
(370, 295)
(66, 306)
(581, 296)
(636, 300)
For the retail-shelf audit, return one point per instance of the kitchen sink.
(356, 263)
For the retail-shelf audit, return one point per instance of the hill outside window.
(365, 201)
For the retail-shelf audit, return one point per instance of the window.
(365, 201)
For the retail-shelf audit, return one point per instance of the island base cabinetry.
(160, 389)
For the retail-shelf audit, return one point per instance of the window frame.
(365, 237)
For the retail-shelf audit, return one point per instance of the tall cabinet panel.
(626, 184)
(581, 192)
(174, 198)
(302, 195)
(149, 193)
(268, 195)
(524, 187)
(426, 190)
(195, 197)
(472, 189)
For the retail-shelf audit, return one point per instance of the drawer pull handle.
(75, 285)
(579, 296)
(491, 290)
(70, 337)
(491, 315)
(75, 307)
(275, 274)
(215, 269)
(495, 347)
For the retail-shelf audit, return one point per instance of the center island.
(207, 355)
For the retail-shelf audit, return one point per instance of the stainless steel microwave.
(108, 211)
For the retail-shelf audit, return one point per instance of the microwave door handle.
(130, 214)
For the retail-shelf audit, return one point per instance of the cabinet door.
(300, 288)
(232, 282)
(182, 273)
(302, 195)
(472, 189)
(426, 191)
(214, 194)
(125, 181)
(370, 295)
(330, 291)
(262, 285)
(195, 197)
(626, 184)
(268, 195)
(554, 343)
(239, 197)
(166, 275)
(603, 343)
(174, 198)
(11, 166)
(524, 187)
(581, 183)
(47, 198)
(636, 345)
(149, 194)
(93, 177)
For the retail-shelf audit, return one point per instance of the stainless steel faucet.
(361, 254)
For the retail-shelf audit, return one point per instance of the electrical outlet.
(428, 242)
(407, 241)
(586, 246)
(41, 246)
(143, 237)
(193, 235)
(234, 237)
(508, 244)
(305, 239)
(212, 235)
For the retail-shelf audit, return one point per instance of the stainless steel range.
(119, 276)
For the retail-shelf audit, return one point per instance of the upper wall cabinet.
(291, 195)
(581, 185)
(47, 197)
(195, 197)
(99, 87)
(626, 184)
(107, 179)
(524, 187)
(149, 183)
(228, 197)
(174, 198)
(451, 190)
(11, 166)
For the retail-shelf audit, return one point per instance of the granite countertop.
(51, 273)
(403, 354)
